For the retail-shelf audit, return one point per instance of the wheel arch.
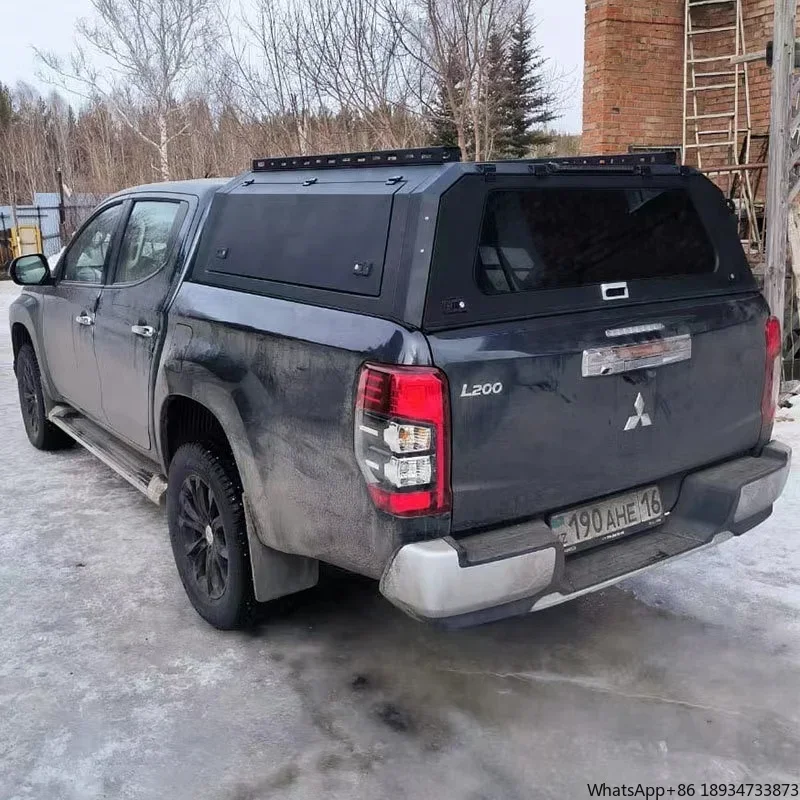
(23, 331)
(20, 335)
(25, 318)
(206, 411)
(185, 419)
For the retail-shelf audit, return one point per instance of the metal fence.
(55, 221)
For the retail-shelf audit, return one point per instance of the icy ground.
(112, 687)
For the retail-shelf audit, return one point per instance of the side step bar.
(140, 472)
(275, 573)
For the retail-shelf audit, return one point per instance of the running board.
(139, 471)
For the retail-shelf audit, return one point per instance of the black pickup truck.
(493, 387)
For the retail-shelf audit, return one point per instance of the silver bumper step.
(523, 568)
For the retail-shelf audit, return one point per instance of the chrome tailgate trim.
(615, 359)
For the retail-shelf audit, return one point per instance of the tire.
(208, 533)
(42, 434)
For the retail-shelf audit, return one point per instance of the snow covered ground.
(749, 581)
(112, 687)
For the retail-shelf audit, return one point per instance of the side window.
(148, 239)
(86, 256)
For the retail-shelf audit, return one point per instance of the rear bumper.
(522, 568)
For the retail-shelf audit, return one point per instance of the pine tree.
(6, 108)
(529, 101)
(497, 97)
(443, 131)
(442, 128)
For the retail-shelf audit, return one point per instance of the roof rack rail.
(377, 158)
(665, 157)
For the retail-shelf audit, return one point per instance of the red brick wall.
(633, 73)
(758, 19)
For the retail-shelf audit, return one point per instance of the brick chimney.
(633, 74)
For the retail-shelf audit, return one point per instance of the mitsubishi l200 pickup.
(492, 387)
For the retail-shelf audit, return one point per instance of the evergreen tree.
(6, 108)
(443, 131)
(529, 105)
(497, 97)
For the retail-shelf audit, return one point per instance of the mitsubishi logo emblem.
(639, 417)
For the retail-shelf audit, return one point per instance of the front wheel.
(209, 536)
(42, 434)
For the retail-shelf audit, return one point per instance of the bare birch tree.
(288, 77)
(451, 41)
(258, 76)
(137, 52)
(321, 74)
(354, 59)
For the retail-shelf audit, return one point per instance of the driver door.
(69, 312)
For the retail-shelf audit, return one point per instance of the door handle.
(146, 331)
(84, 319)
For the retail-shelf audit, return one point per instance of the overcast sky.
(559, 32)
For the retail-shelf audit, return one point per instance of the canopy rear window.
(516, 245)
(560, 238)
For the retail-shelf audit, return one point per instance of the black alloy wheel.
(42, 434)
(29, 398)
(208, 533)
(203, 536)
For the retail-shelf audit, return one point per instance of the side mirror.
(31, 270)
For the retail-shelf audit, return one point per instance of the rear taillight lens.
(772, 376)
(402, 438)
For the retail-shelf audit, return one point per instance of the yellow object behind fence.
(26, 239)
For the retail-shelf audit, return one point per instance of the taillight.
(772, 375)
(402, 438)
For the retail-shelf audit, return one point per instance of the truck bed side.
(281, 379)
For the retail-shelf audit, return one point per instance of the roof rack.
(376, 158)
(665, 157)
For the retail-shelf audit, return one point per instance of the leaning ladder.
(713, 70)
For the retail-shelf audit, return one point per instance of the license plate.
(608, 519)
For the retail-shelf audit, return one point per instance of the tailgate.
(532, 433)
(599, 332)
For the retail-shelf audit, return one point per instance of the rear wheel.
(42, 434)
(209, 535)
